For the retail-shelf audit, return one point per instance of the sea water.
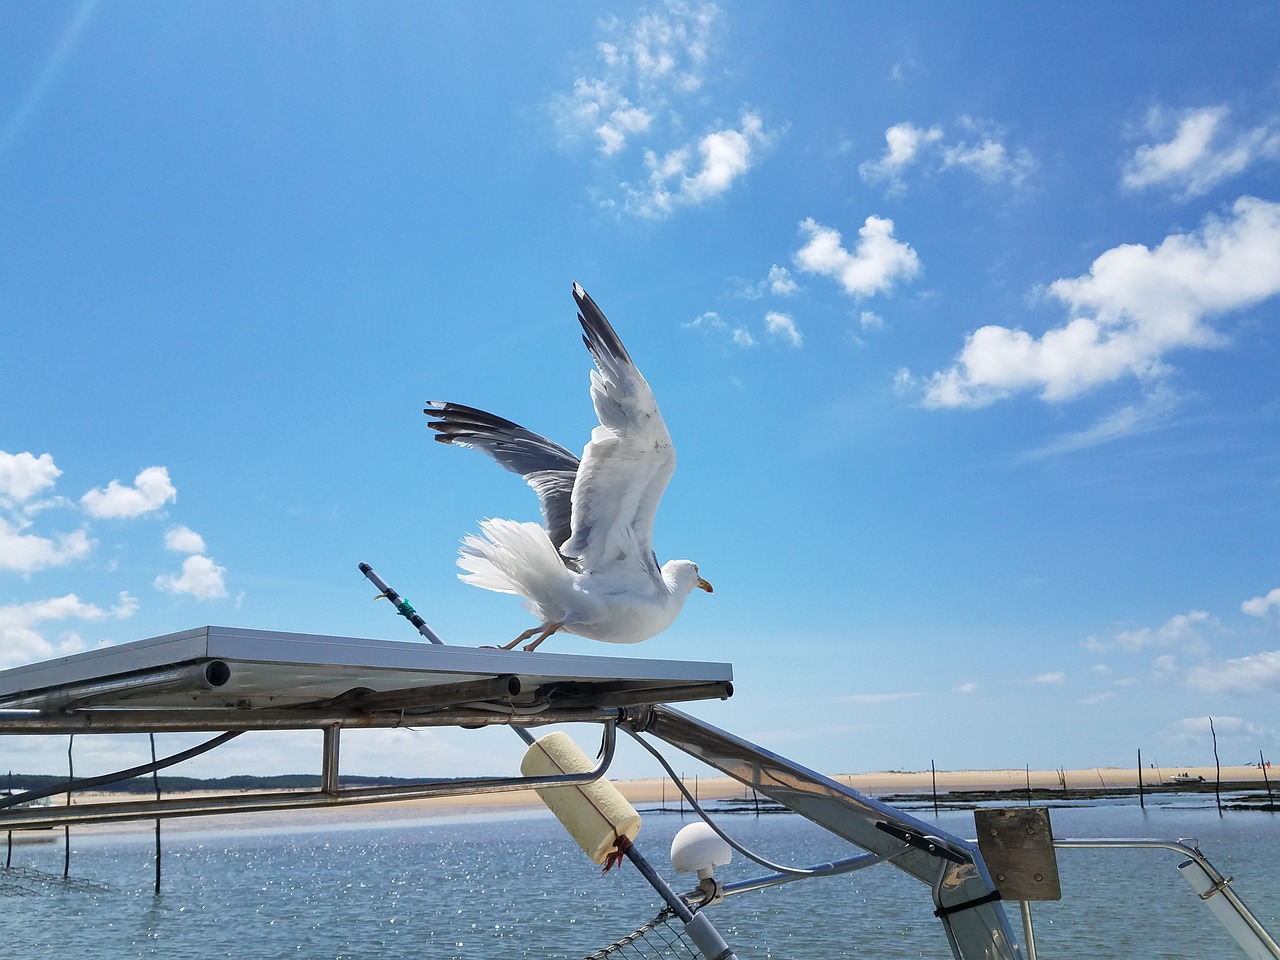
(512, 884)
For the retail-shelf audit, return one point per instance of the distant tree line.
(21, 782)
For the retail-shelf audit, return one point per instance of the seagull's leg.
(547, 631)
(525, 636)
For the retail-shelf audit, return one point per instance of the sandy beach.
(655, 791)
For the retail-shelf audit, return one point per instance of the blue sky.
(965, 323)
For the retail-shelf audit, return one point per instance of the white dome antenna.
(699, 849)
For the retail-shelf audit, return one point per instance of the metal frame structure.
(226, 679)
(233, 680)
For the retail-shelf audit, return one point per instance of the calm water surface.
(512, 884)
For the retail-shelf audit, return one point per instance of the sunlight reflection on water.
(513, 885)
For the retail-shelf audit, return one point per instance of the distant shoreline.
(952, 787)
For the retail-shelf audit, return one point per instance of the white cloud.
(986, 156)
(1261, 606)
(1057, 676)
(201, 578)
(27, 553)
(713, 321)
(903, 145)
(21, 642)
(1204, 151)
(873, 267)
(601, 107)
(1133, 307)
(870, 321)
(781, 283)
(1256, 673)
(151, 490)
(990, 160)
(722, 158)
(642, 67)
(1184, 632)
(783, 327)
(1199, 731)
(183, 540)
(22, 475)
(969, 687)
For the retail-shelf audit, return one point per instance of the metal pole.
(401, 604)
(1028, 932)
(700, 929)
(329, 760)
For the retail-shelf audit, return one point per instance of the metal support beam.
(964, 895)
(120, 811)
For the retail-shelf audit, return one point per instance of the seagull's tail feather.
(516, 558)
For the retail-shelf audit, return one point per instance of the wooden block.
(1017, 845)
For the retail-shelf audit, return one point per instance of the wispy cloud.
(643, 94)
(1134, 307)
(1199, 731)
(781, 326)
(1053, 677)
(980, 150)
(1183, 632)
(1255, 673)
(1204, 149)
(21, 642)
(1152, 412)
(644, 68)
(712, 321)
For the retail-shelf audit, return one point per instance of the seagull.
(589, 569)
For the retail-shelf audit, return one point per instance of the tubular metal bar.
(833, 869)
(283, 718)
(329, 760)
(601, 695)
(115, 812)
(502, 687)
(197, 676)
(1220, 883)
(975, 927)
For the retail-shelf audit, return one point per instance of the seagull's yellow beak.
(703, 585)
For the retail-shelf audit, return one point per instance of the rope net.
(663, 936)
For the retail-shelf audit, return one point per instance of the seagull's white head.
(681, 577)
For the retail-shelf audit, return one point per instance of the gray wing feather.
(545, 465)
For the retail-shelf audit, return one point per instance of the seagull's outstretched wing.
(545, 465)
(626, 466)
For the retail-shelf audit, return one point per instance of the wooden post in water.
(1028, 784)
(8, 859)
(66, 827)
(934, 771)
(1142, 800)
(1217, 768)
(155, 781)
(1265, 779)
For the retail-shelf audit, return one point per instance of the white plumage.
(589, 569)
